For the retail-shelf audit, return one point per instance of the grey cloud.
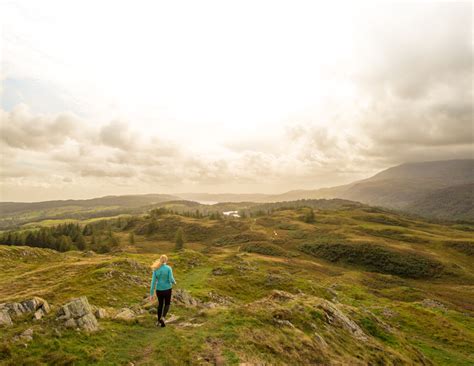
(107, 172)
(117, 134)
(21, 129)
(425, 46)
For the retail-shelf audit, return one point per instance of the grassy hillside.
(18, 213)
(455, 201)
(355, 285)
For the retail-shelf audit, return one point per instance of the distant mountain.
(15, 214)
(400, 186)
(128, 201)
(403, 187)
(226, 197)
(446, 203)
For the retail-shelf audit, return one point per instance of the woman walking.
(162, 281)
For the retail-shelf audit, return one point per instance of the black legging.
(163, 296)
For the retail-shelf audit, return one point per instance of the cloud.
(117, 134)
(393, 84)
(23, 130)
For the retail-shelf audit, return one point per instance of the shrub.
(262, 248)
(383, 219)
(179, 241)
(393, 234)
(244, 237)
(465, 247)
(376, 258)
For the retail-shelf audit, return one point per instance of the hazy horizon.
(254, 97)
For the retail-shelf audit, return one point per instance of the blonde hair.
(159, 262)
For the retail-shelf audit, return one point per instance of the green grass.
(365, 272)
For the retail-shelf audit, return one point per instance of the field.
(354, 286)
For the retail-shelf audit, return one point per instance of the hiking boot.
(162, 322)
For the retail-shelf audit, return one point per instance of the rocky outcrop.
(37, 306)
(336, 317)
(183, 297)
(78, 314)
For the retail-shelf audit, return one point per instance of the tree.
(309, 216)
(80, 242)
(131, 238)
(179, 241)
(64, 243)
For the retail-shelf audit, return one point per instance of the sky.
(130, 97)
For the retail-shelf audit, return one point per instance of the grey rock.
(17, 309)
(320, 340)
(26, 336)
(125, 314)
(30, 305)
(70, 323)
(38, 314)
(88, 323)
(5, 318)
(171, 319)
(434, 304)
(283, 323)
(76, 308)
(101, 313)
(281, 295)
(183, 297)
(336, 317)
(217, 299)
(78, 314)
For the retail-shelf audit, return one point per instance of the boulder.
(76, 308)
(78, 314)
(70, 323)
(88, 323)
(125, 314)
(38, 314)
(38, 306)
(101, 313)
(183, 297)
(5, 318)
(14, 309)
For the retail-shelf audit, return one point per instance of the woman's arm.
(171, 278)
(152, 287)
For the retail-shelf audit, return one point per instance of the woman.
(162, 281)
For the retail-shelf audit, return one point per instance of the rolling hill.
(446, 203)
(356, 285)
(400, 187)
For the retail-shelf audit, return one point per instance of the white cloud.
(254, 96)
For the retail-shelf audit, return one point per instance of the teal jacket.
(162, 279)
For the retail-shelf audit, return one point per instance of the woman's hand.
(152, 297)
